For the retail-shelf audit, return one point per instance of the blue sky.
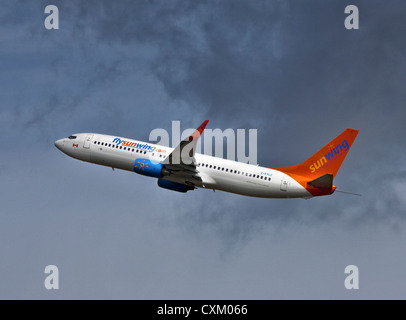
(286, 68)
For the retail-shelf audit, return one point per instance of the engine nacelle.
(174, 186)
(148, 168)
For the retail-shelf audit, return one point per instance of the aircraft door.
(87, 141)
(284, 183)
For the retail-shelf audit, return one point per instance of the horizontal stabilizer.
(324, 181)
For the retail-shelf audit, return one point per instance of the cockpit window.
(72, 137)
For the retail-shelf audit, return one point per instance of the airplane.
(182, 169)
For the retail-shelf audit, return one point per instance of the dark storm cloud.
(288, 68)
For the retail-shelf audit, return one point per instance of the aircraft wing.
(181, 161)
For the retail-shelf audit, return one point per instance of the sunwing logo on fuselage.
(140, 146)
(334, 153)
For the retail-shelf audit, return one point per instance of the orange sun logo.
(141, 164)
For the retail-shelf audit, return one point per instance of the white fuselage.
(216, 173)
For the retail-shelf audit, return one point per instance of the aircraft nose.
(59, 144)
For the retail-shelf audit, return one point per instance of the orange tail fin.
(327, 160)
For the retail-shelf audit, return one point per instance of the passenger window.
(226, 170)
(121, 147)
(98, 142)
(214, 167)
(95, 142)
(210, 166)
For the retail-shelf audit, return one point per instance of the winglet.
(185, 151)
(202, 126)
(199, 131)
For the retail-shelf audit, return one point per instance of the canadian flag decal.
(75, 145)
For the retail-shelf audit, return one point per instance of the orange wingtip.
(199, 131)
(202, 126)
